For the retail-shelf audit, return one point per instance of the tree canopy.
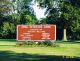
(20, 12)
(64, 13)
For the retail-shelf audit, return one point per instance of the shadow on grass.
(68, 42)
(12, 56)
(8, 40)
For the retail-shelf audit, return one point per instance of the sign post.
(36, 32)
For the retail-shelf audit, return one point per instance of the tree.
(70, 16)
(20, 12)
(5, 6)
(63, 13)
(26, 12)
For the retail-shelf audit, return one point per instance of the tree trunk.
(64, 35)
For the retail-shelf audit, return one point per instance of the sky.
(38, 11)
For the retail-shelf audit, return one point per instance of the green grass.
(68, 49)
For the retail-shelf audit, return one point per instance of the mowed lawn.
(67, 50)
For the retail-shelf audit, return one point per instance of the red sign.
(36, 32)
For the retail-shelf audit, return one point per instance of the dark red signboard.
(36, 32)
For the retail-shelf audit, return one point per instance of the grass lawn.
(65, 51)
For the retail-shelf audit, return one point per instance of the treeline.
(13, 13)
(64, 13)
